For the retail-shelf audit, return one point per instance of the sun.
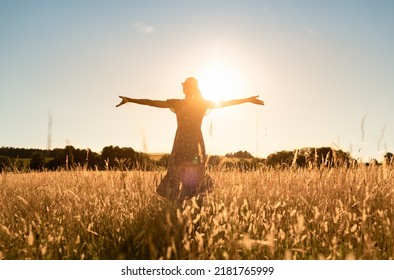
(220, 82)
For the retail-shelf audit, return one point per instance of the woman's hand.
(254, 100)
(124, 101)
(148, 102)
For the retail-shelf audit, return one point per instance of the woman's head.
(190, 88)
(192, 82)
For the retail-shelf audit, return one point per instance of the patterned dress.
(186, 175)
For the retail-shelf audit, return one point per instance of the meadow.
(338, 213)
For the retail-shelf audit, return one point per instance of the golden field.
(289, 213)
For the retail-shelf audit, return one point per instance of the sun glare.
(220, 82)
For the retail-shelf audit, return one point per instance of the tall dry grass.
(266, 214)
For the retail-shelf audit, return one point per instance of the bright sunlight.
(220, 82)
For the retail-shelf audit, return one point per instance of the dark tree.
(37, 161)
(239, 154)
(5, 163)
(163, 161)
(282, 158)
(213, 160)
(388, 158)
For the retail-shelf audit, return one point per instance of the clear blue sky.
(324, 68)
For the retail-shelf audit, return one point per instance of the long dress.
(186, 176)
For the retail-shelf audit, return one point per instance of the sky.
(323, 68)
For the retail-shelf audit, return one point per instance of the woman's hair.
(193, 83)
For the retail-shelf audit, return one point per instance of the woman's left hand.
(124, 100)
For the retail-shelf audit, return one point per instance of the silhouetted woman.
(186, 175)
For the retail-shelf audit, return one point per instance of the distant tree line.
(241, 160)
(125, 158)
(70, 158)
(320, 157)
(311, 157)
(239, 154)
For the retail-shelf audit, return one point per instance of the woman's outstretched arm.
(221, 104)
(148, 102)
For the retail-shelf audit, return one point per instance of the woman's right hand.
(254, 100)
